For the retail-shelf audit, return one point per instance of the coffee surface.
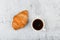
(37, 24)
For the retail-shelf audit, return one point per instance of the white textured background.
(48, 10)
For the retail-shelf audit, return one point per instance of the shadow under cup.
(37, 24)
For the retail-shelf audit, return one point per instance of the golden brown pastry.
(20, 20)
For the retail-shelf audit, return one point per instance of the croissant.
(20, 20)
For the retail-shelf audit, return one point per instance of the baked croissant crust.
(20, 20)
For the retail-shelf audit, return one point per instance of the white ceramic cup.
(41, 20)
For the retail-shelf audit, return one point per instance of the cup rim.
(41, 20)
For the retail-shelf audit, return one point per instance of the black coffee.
(37, 24)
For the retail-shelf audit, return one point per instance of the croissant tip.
(25, 12)
(17, 28)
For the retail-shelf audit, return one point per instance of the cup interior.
(37, 24)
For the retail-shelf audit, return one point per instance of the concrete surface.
(48, 10)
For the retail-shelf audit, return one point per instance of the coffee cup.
(38, 24)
